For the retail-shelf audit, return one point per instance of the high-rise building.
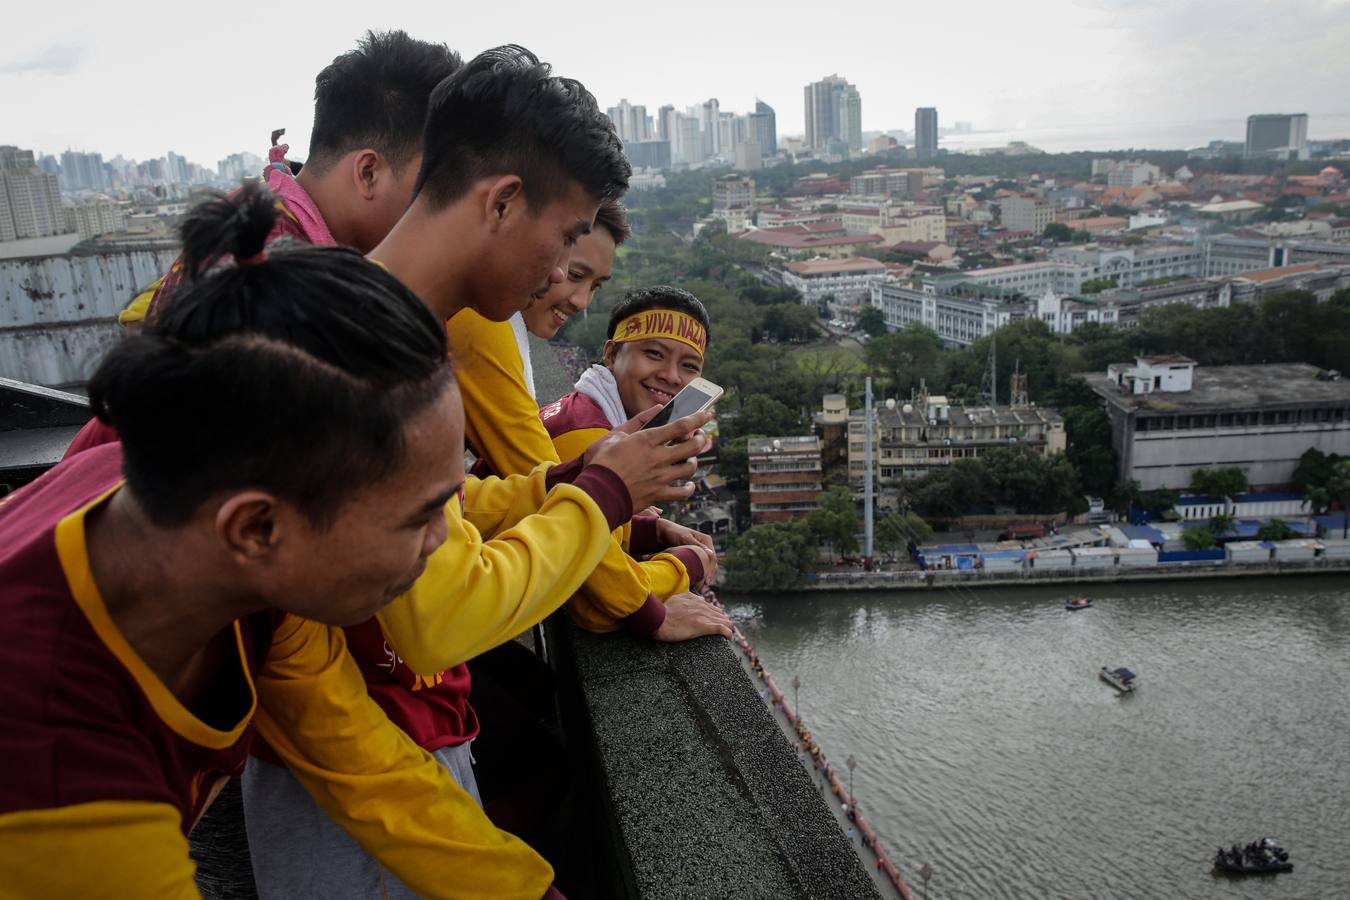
(925, 132)
(177, 168)
(764, 124)
(30, 199)
(648, 154)
(748, 156)
(689, 142)
(91, 216)
(83, 171)
(666, 129)
(850, 119)
(631, 122)
(710, 122)
(1285, 136)
(832, 106)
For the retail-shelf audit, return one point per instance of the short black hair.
(376, 96)
(612, 217)
(504, 112)
(293, 371)
(661, 296)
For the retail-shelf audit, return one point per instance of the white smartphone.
(695, 396)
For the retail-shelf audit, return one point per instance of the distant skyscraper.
(765, 129)
(30, 199)
(833, 107)
(850, 119)
(83, 171)
(689, 141)
(177, 168)
(666, 129)
(710, 123)
(925, 132)
(631, 122)
(1282, 135)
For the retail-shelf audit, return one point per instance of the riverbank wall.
(938, 579)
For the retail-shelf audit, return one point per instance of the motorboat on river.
(1122, 679)
(1263, 857)
(1077, 603)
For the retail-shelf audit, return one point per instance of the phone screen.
(687, 402)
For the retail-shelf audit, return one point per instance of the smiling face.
(530, 250)
(379, 543)
(651, 372)
(591, 265)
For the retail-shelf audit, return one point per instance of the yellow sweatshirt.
(106, 771)
(503, 429)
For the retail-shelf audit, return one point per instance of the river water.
(988, 748)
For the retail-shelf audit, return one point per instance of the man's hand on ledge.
(673, 534)
(706, 557)
(690, 616)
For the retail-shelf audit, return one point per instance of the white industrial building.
(1170, 417)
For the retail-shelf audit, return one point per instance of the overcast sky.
(143, 78)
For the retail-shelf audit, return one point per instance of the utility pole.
(867, 478)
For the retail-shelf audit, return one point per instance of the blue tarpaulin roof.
(1246, 529)
(1004, 554)
(956, 549)
(1143, 532)
(1124, 673)
(1332, 521)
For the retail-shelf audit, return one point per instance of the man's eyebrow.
(582, 227)
(585, 269)
(437, 502)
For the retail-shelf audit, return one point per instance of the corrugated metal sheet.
(60, 356)
(57, 314)
(65, 289)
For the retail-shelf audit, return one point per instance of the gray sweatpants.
(299, 852)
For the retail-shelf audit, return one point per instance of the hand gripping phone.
(695, 396)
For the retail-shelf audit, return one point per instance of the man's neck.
(419, 253)
(165, 601)
(324, 193)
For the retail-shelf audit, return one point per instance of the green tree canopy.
(905, 357)
(1199, 538)
(1057, 231)
(771, 556)
(872, 321)
(835, 521)
(1275, 530)
(895, 532)
(1227, 481)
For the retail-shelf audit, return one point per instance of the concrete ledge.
(702, 796)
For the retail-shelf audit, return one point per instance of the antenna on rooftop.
(989, 383)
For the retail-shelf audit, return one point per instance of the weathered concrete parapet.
(702, 796)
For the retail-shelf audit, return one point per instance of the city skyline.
(71, 82)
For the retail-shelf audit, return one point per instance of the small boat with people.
(1263, 857)
(1122, 679)
(1077, 603)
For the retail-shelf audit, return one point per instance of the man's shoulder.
(573, 412)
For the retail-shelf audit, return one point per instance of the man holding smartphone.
(654, 355)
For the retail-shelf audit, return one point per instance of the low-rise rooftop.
(1281, 385)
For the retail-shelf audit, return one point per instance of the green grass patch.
(822, 357)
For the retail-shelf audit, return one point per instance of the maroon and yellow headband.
(663, 323)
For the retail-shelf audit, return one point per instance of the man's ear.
(367, 167)
(248, 526)
(611, 351)
(504, 199)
